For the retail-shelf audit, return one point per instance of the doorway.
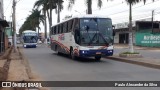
(123, 38)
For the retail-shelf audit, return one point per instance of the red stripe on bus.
(76, 51)
(62, 46)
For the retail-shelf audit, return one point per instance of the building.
(122, 33)
(3, 24)
(8, 32)
(145, 33)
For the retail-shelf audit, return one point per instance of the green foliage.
(32, 22)
(87, 2)
(130, 53)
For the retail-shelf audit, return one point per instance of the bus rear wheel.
(97, 58)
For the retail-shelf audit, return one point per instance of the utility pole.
(130, 30)
(14, 26)
(50, 20)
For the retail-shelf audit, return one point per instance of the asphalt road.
(53, 67)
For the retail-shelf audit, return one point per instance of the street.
(53, 67)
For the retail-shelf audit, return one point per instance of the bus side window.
(54, 30)
(70, 24)
(58, 29)
(62, 28)
(76, 25)
(67, 27)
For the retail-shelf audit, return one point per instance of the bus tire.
(56, 50)
(72, 54)
(97, 58)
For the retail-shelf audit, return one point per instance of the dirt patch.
(17, 68)
(3, 74)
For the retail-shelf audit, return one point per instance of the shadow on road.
(79, 59)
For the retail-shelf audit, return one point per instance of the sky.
(117, 10)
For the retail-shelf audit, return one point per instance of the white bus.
(29, 38)
(83, 36)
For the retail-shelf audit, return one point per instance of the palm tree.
(59, 9)
(88, 4)
(132, 2)
(36, 19)
(48, 6)
(32, 22)
(44, 5)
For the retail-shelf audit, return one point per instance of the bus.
(29, 38)
(83, 36)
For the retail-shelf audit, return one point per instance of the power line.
(133, 8)
(136, 17)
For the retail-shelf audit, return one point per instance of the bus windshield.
(30, 39)
(96, 31)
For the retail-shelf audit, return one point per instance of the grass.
(130, 53)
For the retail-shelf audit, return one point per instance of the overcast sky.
(116, 9)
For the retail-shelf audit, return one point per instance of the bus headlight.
(84, 52)
(24, 45)
(109, 51)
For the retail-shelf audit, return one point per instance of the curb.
(145, 64)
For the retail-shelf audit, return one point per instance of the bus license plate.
(98, 52)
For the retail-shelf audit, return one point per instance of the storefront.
(148, 34)
(122, 36)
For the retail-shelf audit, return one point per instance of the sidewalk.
(136, 47)
(18, 70)
(147, 62)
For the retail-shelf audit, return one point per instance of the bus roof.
(90, 16)
(83, 16)
(29, 31)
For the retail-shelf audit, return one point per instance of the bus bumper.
(91, 53)
(29, 46)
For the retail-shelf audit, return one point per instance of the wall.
(147, 38)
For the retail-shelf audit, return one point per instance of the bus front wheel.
(72, 54)
(97, 58)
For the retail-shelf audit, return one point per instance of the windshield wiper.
(104, 39)
(92, 39)
(88, 35)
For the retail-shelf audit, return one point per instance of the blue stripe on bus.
(89, 53)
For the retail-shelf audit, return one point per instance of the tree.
(32, 22)
(67, 17)
(44, 5)
(131, 2)
(48, 6)
(59, 9)
(88, 4)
